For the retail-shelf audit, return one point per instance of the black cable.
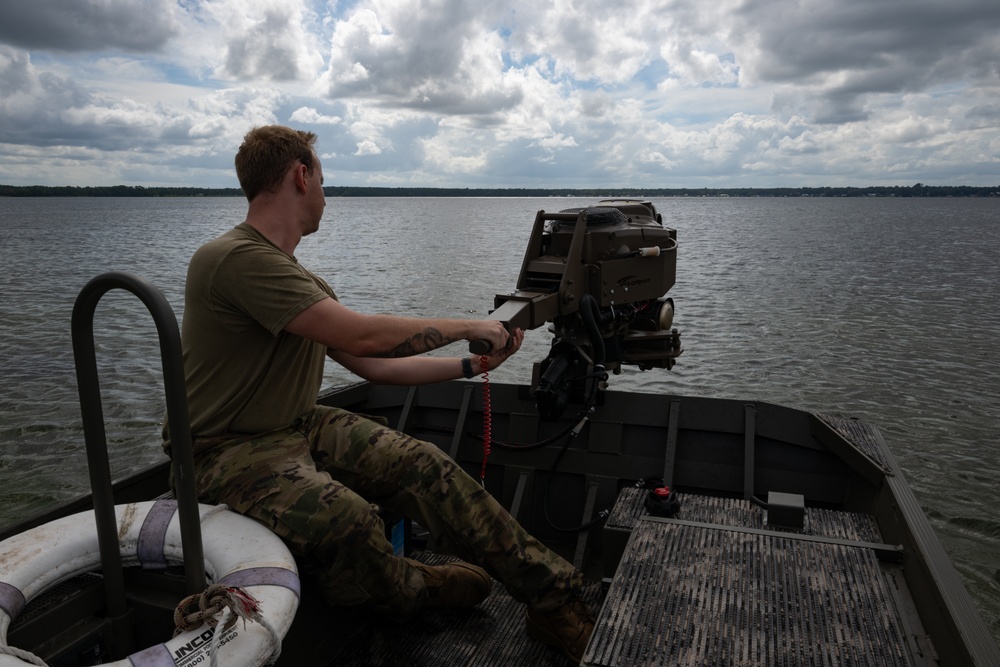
(601, 516)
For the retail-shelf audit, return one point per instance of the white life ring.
(239, 552)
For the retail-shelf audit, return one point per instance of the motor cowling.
(599, 276)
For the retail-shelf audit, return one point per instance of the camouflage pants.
(319, 485)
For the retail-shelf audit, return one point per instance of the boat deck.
(714, 586)
(489, 635)
(720, 583)
(717, 586)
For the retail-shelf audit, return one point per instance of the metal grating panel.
(628, 510)
(55, 595)
(691, 595)
(861, 434)
(490, 635)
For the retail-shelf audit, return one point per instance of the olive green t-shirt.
(244, 373)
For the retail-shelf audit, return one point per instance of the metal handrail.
(91, 410)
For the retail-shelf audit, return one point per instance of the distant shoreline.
(918, 190)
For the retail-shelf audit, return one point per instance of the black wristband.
(467, 367)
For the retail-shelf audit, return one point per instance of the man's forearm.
(402, 371)
(429, 339)
(393, 336)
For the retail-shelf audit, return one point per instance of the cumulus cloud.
(312, 116)
(264, 39)
(842, 54)
(44, 108)
(565, 93)
(88, 25)
(438, 56)
(34, 103)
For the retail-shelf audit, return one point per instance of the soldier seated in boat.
(257, 328)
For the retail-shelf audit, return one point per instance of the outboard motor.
(599, 275)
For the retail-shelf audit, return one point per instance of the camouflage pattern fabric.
(319, 484)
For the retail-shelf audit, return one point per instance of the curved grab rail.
(96, 439)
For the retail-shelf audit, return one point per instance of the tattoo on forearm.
(429, 339)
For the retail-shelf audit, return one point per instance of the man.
(257, 329)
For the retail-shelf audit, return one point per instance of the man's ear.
(301, 177)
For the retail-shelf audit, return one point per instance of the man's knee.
(322, 519)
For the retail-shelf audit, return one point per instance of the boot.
(568, 628)
(454, 584)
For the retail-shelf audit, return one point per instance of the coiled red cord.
(487, 416)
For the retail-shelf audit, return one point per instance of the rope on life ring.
(241, 556)
(195, 610)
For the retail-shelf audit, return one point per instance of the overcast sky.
(456, 93)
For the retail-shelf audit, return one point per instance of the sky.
(519, 93)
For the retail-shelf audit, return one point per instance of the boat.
(710, 531)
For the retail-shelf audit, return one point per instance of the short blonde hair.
(267, 152)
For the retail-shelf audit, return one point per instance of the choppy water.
(883, 309)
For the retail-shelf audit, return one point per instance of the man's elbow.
(368, 349)
(360, 347)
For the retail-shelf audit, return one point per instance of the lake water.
(884, 309)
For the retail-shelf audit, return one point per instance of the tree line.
(918, 190)
(113, 191)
